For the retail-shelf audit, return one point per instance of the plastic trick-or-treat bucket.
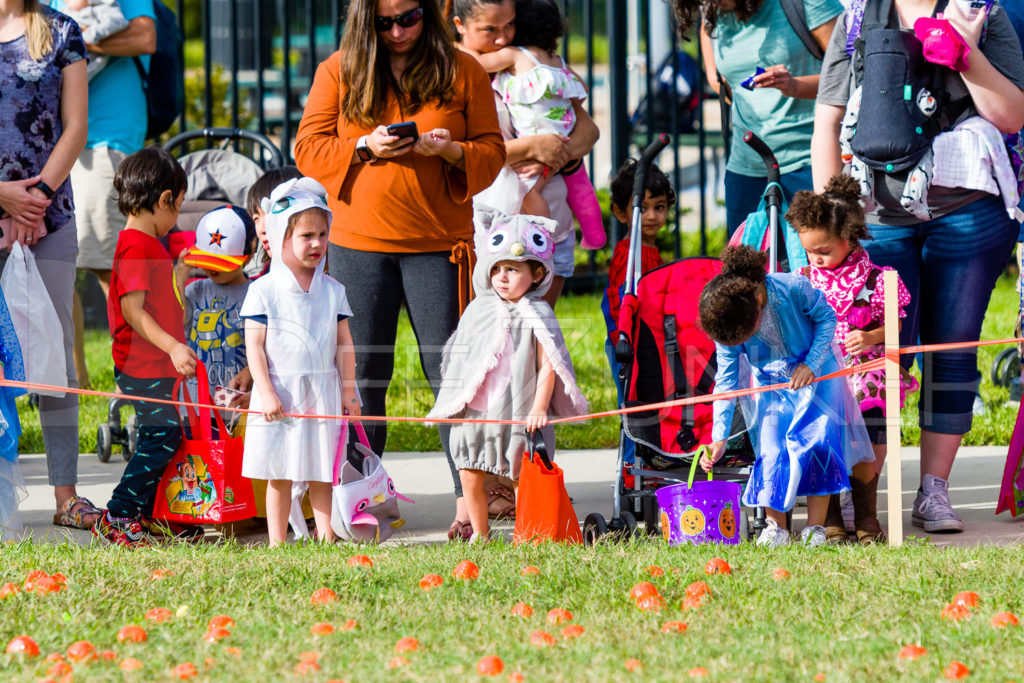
(700, 512)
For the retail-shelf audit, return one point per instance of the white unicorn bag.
(364, 506)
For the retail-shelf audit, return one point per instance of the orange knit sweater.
(410, 203)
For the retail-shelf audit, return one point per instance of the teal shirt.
(117, 105)
(784, 123)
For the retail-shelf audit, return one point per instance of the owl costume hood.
(286, 200)
(481, 342)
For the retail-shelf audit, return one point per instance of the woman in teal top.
(737, 36)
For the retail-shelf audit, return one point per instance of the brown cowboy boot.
(865, 511)
(835, 528)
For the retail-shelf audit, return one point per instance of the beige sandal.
(75, 519)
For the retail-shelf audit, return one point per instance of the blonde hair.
(37, 30)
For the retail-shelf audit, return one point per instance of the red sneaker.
(127, 533)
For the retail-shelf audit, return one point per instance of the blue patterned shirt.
(30, 122)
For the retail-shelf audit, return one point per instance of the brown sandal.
(460, 530)
(501, 502)
(75, 519)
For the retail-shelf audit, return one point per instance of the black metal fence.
(256, 60)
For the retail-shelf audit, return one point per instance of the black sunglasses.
(405, 20)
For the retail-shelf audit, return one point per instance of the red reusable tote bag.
(543, 510)
(203, 482)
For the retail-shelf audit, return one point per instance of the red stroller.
(664, 355)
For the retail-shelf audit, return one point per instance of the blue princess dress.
(806, 440)
(12, 483)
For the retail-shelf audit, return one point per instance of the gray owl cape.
(481, 341)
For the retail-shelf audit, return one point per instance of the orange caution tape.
(876, 364)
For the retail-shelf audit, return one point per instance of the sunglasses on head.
(405, 20)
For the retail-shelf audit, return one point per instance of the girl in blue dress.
(772, 329)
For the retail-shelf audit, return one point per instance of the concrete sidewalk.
(425, 478)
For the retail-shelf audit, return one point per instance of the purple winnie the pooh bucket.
(700, 512)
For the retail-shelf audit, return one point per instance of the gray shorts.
(99, 221)
(565, 256)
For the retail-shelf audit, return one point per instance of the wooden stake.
(893, 458)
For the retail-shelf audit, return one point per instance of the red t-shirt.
(142, 264)
(650, 258)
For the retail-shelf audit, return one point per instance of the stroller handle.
(228, 134)
(653, 150)
(770, 162)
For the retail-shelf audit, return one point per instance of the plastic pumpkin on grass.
(23, 645)
(466, 571)
(558, 616)
(521, 609)
(717, 566)
(131, 634)
(491, 665)
(1004, 619)
(406, 644)
(651, 603)
(158, 614)
(323, 596)
(912, 651)
(644, 589)
(430, 581)
(572, 631)
(220, 621)
(321, 629)
(542, 639)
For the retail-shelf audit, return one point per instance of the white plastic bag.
(35, 321)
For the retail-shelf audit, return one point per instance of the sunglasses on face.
(405, 20)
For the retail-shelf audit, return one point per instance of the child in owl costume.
(507, 360)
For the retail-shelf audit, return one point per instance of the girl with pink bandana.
(831, 226)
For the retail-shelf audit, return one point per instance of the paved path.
(425, 478)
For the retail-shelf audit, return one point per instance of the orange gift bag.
(203, 482)
(543, 510)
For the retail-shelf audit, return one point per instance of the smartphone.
(406, 129)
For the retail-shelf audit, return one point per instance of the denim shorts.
(950, 265)
(565, 256)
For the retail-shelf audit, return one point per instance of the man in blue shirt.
(117, 128)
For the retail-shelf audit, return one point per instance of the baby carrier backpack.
(902, 99)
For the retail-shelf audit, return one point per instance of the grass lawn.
(583, 326)
(843, 612)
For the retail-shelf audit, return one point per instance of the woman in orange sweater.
(402, 204)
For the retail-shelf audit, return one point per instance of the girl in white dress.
(300, 354)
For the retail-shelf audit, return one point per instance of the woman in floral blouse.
(43, 125)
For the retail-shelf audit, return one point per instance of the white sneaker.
(932, 510)
(813, 536)
(773, 535)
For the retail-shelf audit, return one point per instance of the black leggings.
(377, 284)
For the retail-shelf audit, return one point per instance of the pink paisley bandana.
(842, 284)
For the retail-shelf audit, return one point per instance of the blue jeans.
(743, 193)
(949, 265)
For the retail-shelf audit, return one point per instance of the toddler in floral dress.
(831, 226)
(540, 92)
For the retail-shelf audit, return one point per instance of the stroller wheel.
(651, 516)
(104, 438)
(594, 528)
(131, 431)
(1005, 367)
(746, 533)
(629, 527)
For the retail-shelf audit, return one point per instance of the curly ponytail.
(837, 211)
(729, 310)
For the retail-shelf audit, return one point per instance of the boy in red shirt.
(658, 197)
(146, 322)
